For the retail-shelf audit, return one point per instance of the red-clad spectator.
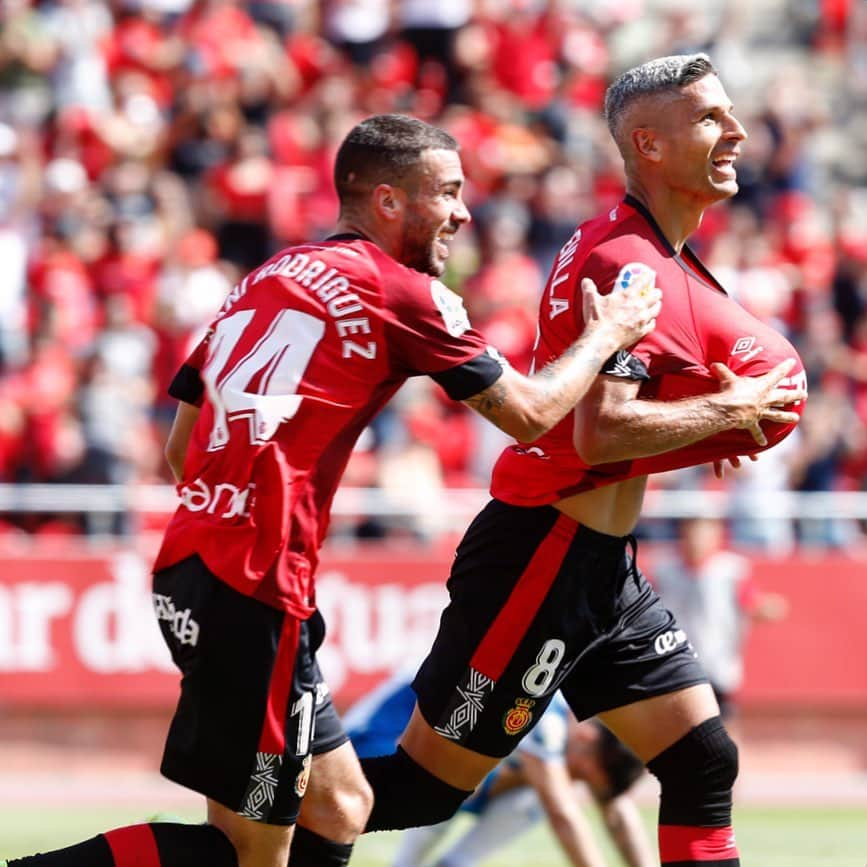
(238, 197)
(502, 297)
(524, 60)
(53, 439)
(190, 290)
(141, 42)
(76, 132)
(12, 429)
(61, 294)
(584, 57)
(127, 269)
(219, 36)
(313, 57)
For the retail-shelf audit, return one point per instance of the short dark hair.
(384, 148)
(656, 76)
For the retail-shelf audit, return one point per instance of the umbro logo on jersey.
(747, 348)
(620, 367)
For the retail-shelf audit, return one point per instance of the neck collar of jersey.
(645, 212)
(687, 259)
(347, 236)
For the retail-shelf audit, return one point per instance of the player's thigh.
(256, 844)
(456, 765)
(650, 726)
(338, 798)
(642, 679)
(242, 733)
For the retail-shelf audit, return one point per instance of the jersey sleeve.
(673, 344)
(429, 333)
(187, 383)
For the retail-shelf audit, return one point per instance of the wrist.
(725, 414)
(605, 337)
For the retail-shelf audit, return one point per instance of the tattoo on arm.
(490, 401)
(551, 375)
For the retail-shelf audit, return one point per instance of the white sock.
(416, 843)
(503, 819)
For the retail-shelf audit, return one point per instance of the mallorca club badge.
(303, 778)
(516, 719)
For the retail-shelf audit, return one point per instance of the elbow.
(591, 450)
(526, 424)
(528, 431)
(598, 439)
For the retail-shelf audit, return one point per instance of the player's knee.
(697, 774)
(355, 804)
(406, 795)
(340, 812)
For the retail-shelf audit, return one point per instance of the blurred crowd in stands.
(151, 151)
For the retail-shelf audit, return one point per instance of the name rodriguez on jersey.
(329, 286)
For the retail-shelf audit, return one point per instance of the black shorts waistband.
(583, 533)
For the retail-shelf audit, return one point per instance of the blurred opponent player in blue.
(535, 782)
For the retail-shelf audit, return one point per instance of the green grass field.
(768, 837)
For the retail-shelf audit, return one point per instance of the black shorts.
(538, 603)
(253, 706)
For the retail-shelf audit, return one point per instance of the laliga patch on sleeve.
(632, 274)
(451, 308)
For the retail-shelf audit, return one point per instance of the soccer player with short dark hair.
(545, 591)
(306, 349)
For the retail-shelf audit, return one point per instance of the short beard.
(421, 258)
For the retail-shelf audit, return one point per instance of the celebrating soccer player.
(545, 591)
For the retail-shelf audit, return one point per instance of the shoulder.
(625, 243)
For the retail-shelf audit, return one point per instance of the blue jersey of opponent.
(375, 723)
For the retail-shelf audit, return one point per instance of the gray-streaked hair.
(656, 76)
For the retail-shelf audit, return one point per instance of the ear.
(389, 202)
(647, 144)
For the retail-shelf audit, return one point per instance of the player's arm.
(175, 450)
(550, 778)
(526, 407)
(614, 424)
(624, 823)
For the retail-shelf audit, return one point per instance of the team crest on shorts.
(303, 777)
(518, 718)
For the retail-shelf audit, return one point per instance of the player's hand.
(719, 467)
(753, 399)
(628, 314)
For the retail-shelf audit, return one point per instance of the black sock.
(309, 849)
(405, 795)
(94, 852)
(161, 844)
